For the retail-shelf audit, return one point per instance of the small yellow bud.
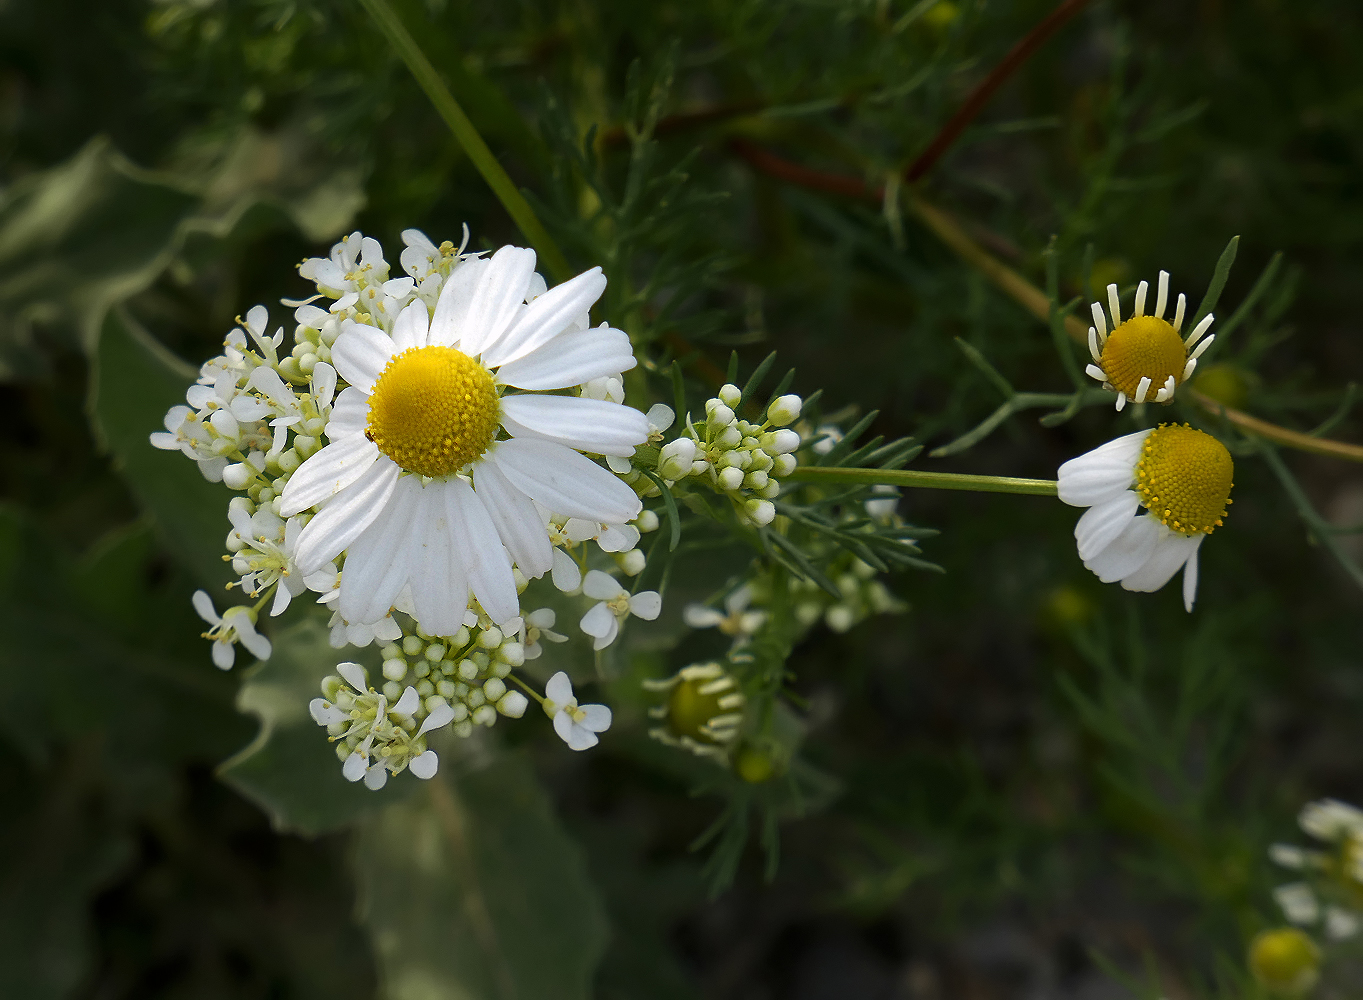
(1285, 961)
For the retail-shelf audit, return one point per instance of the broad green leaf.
(135, 380)
(474, 890)
(290, 769)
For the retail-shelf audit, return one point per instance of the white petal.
(602, 641)
(571, 359)
(1102, 473)
(597, 718)
(478, 546)
(353, 675)
(1190, 577)
(559, 689)
(647, 604)
(324, 714)
(563, 725)
(224, 654)
(699, 616)
(518, 523)
(565, 482)
(440, 717)
(497, 299)
(256, 644)
(618, 538)
(580, 738)
(327, 473)
(599, 621)
(440, 586)
(425, 765)
(1127, 552)
(408, 703)
(378, 562)
(549, 315)
(1103, 522)
(354, 766)
(409, 329)
(323, 383)
(447, 322)
(360, 355)
(601, 586)
(566, 575)
(376, 777)
(349, 416)
(203, 604)
(345, 516)
(585, 424)
(1171, 551)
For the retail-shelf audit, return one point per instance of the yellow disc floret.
(433, 410)
(1143, 347)
(1184, 478)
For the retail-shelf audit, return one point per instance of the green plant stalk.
(468, 138)
(926, 480)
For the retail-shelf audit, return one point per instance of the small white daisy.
(1144, 357)
(577, 725)
(602, 622)
(1179, 475)
(434, 468)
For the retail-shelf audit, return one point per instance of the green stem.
(926, 480)
(526, 688)
(467, 136)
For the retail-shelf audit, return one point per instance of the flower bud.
(781, 442)
(784, 409)
(512, 653)
(1285, 960)
(237, 476)
(755, 480)
(632, 562)
(718, 414)
(646, 522)
(783, 465)
(395, 669)
(731, 479)
(731, 437)
(513, 704)
(762, 512)
(730, 395)
(676, 458)
(493, 689)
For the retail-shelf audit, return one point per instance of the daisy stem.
(468, 138)
(526, 688)
(926, 480)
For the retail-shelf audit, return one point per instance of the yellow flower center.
(1285, 960)
(1143, 347)
(1184, 478)
(433, 410)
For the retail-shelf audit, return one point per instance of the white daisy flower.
(1144, 357)
(235, 625)
(576, 725)
(602, 622)
(1180, 476)
(419, 487)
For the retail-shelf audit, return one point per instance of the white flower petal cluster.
(1332, 880)
(616, 604)
(577, 725)
(235, 625)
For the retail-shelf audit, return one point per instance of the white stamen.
(1099, 321)
(1188, 369)
(1121, 401)
(1114, 305)
(1093, 344)
(1141, 289)
(1178, 312)
(1202, 347)
(1142, 387)
(1095, 372)
(1198, 331)
(1162, 299)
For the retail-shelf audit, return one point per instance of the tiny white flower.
(602, 622)
(1298, 903)
(735, 621)
(235, 625)
(539, 625)
(577, 725)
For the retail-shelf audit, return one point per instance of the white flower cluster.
(740, 459)
(424, 450)
(1326, 897)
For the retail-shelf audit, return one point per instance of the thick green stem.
(926, 480)
(467, 136)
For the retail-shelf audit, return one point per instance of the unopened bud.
(784, 410)
(718, 414)
(731, 479)
(783, 465)
(762, 512)
(730, 395)
(513, 704)
(676, 458)
(632, 562)
(646, 522)
(237, 476)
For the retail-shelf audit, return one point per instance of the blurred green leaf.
(134, 381)
(290, 769)
(474, 890)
